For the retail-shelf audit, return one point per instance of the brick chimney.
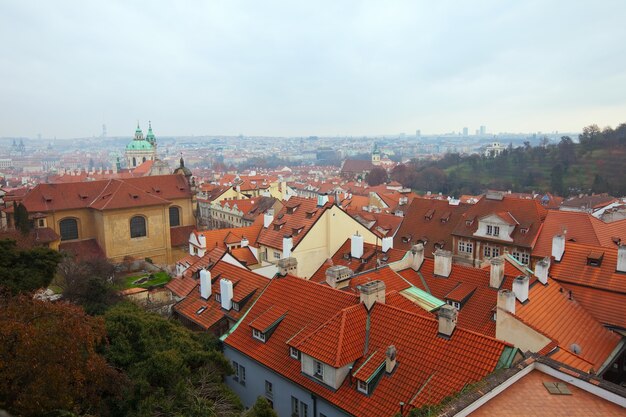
(443, 263)
(621, 259)
(520, 288)
(417, 256)
(338, 276)
(541, 270)
(506, 301)
(371, 292)
(447, 320)
(356, 246)
(387, 243)
(287, 246)
(558, 247)
(288, 266)
(205, 284)
(268, 218)
(226, 293)
(390, 358)
(496, 272)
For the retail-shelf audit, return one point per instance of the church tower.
(376, 156)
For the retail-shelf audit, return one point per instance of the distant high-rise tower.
(104, 130)
(465, 131)
(483, 130)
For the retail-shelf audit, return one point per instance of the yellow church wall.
(86, 225)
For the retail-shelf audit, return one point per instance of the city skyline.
(277, 69)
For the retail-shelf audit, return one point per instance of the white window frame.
(362, 386)
(318, 369)
(487, 252)
(259, 335)
(469, 247)
(525, 258)
(294, 353)
(276, 255)
(462, 246)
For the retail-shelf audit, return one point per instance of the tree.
(556, 180)
(376, 176)
(173, 371)
(590, 136)
(261, 408)
(49, 359)
(26, 270)
(89, 283)
(567, 151)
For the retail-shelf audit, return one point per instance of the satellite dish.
(576, 348)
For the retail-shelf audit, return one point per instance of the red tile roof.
(221, 237)
(423, 221)
(209, 259)
(181, 286)
(245, 256)
(356, 166)
(334, 324)
(179, 236)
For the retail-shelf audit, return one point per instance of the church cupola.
(138, 133)
(376, 155)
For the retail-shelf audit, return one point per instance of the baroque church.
(140, 150)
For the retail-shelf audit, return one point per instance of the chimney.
(356, 246)
(417, 256)
(202, 240)
(287, 266)
(287, 246)
(390, 358)
(447, 320)
(621, 259)
(205, 284)
(506, 301)
(443, 263)
(520, 288)
(387, 243)
(558, 247)
(541, 270)
(496, 273)
(226, 293)
(268, 218)
(244, 242)
(322, 199)
(238, 189)
(338, 276)
(371, 292)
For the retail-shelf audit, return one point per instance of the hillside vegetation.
(595, 164)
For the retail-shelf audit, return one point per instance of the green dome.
(139, 145)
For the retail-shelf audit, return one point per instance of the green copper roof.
(137, 145)
(150, 136)
(427, 301)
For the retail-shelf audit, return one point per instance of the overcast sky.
(293, 68)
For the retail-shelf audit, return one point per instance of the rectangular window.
(462, 247)
(304, 409)
(487, 252)
(496, 230)
(269, 390)
(236, 368)
(318, 368)
(362, 386)
(295, 406)
(276, 255)
(293, 352)
(242, 375)
(469, 248)
(525, 258)
(495, 252)
(489, 230)
(258, 335)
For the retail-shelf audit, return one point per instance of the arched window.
(68, 229)
(174, 216)
(144, 159)
(134, 161)
(137, 227)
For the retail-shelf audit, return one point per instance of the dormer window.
(454, 304)
(235, 306)
(258, 335)
(523, 230)
(361, 386)
(318, 369)
(294, 353)
(595, 258)
(429, 214)
(493, 230)
(406, 239)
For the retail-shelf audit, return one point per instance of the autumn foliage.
(48, 358)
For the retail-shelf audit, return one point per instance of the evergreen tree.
(21, 219)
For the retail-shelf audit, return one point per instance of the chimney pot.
(287, 266)
(338, 276)
(205, 284)
(356, 246)
(443, 263)
(541, 270)
(226, 293)
(268, 218)
(506, 301)
(371, 292)
(496, 273)
(520, 288)
(558, 247)
(417, 256)
(387, 243)
(287, 246)
(390, 358)
(447, 320)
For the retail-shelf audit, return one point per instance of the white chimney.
(506, 301)
(322, 199)
(202, 240)
(621, 259)
(205, 284)
(356, 246)
(541, 270)
(558, 247)
(390, 358)
(226, 293)
(287, 246)
(387, 243)
(244, 242)
(447, 316)
(496, 273)
(268, 218)
(443, 263)
(371, 292)
(520, 288)
(417, 256)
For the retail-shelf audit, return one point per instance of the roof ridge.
(342, 326)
